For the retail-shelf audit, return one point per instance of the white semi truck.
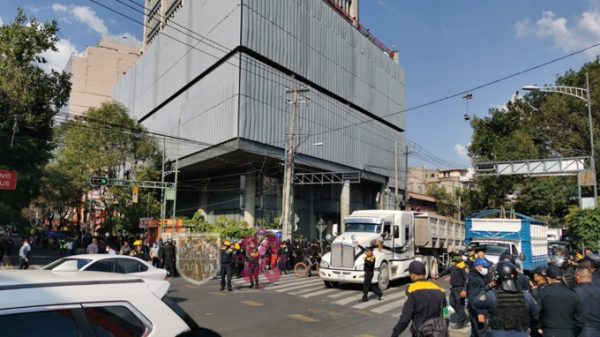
(400, 236)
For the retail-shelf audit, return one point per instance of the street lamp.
(583, 94)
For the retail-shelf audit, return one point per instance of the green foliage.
(446, 203)
(538, 126)
(32, 98)
(583, 225)
(107, 142)
(224, 226)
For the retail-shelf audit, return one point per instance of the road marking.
(390, 306)
(303, 318)
(331, 315)
(287, 287)
(252, 303)
(384, 299)
(302, 291)
(348, 299)
(317, 293)
(342, 293)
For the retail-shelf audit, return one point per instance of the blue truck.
(497, 232)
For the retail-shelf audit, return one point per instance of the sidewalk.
(39, 257)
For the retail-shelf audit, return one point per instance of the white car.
(85, 304)
(120, 264)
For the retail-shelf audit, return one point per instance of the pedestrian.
(154, 255)
(226, 265)
(282, 256)
(125, 249)
(137, 250)
(92, 248)
(110, 250)
(253, 259)
(539, 278)
(476, 283)
(24, 254)
(458, 289)
(168, 257)
(239, 259)
(424, 307)
(470, 258)
(508, 309)
(560, 309)
(589, 297)
(369, 268)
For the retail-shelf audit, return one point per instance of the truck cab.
(493, 249)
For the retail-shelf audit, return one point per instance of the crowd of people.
(562, 300)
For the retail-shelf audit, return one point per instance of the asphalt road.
(291, 307)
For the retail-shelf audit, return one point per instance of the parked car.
(85, 304)
(120, 264)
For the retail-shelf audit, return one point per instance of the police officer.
(226, 265)
(539, 278)
(369, 268)
(476, 283)
(168, 256)
(523, 280)
(560, 309)
(509, 309)
(458, 291)
(424, 304)
(470, 258)
(589, 297)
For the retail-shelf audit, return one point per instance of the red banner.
(8, 180)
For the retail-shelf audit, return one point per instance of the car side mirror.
(396, 232)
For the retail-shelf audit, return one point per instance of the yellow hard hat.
(236, 246)
(137, 243)
(226, 243)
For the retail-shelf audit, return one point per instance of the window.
(60, 322)
(103, 265)
(115, 321)
(68, 264)
(126, 266)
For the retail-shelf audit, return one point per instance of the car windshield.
(359, 227)
(68, 264)
(493, 249)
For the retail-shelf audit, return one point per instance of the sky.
(445, 48)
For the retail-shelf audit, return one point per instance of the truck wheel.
(384, 276)
(331, 284)
(433, 266)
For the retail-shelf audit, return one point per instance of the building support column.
(250, 199)
(344, 205)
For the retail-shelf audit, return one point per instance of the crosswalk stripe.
(298, 285)
(342, 293)
(384, 299)
(349, 299)
(390, 306)
(280, 281)
(317, 293)
(302, 291)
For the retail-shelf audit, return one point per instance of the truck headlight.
(359, 267)
(324, 264)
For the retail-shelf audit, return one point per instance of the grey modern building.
(217, 73)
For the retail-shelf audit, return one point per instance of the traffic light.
(98, 181)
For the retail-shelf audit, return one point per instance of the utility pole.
(176, 173)
(396, 174)
(162, 190)
(406, 176)
(287, 213)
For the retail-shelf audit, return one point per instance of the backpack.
(433, 327)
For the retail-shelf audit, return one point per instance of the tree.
(107, 142)
(537, 126)
(583, 225)
(445, 202)
(58, 195)
(29, 100)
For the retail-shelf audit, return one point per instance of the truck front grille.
(342, 256)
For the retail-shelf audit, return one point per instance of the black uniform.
(367, 282)
(589, 297)
(424, 300)
(475, 287)
(596, 278)
(535, 293)
(524, 282)
(458, 284)
(509, 314)
(169, 258)
(560, 311)
(226, 266)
